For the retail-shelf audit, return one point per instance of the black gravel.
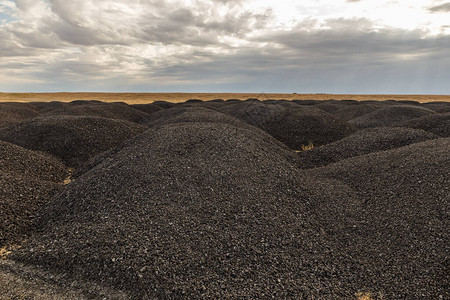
(396, 206)
(204, 204)
(189, 115)
(294, 126)
(391, 116)
(438, 124)
(27, 180)
(12, 113)
(147, 108)
(354, 111)
(362, 142)
(120, 111)
(74, 139)
(192, 210)
(438, 106)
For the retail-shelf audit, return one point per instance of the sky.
(302, 46)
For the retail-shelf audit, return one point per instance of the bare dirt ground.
(136, 98)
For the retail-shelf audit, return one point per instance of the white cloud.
(192, 42)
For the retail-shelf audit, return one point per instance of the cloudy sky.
(304, 46)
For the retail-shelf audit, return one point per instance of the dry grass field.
(137, 98)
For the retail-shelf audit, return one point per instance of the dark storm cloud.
(441, 8)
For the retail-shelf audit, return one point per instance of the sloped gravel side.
(190, 211)
(400, 222)
(27, 180)
(362, 142)
(438, 124)
(390, 116)
(294, 126)
(74, 139)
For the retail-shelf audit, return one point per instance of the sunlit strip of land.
(135, 98)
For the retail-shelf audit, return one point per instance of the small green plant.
(308, 147)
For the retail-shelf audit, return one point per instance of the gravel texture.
(27, 180)
(203, 204)
(354, 111)
(391, 116)
(189, 211)
(189, 115)
(294, 126)
(74, 139)
(437, 106)
(118, 110)
(12, 113)
(362, 142)
(148, 108)
(397, 209)
(438, 124)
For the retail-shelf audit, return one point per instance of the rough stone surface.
(396, 210)
(294, 126)
(121, 111)
(27, 180)
(390, 116)
(438, 124)
(205, 205)
(12, 113)
(74, 139)
(362, 142)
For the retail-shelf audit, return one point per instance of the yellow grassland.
(136, 98)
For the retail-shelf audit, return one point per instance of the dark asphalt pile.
(164, 104)
(192, 210)
(362, 142)
(391, 116)
(27, 180)
(400, 214)
(189, 115)
(438, 106)
(12, 113)
(294, 126)
(209, 200)
(74, 139)
(148, 108)
(330, 107)
(354, 111)
(120, 111)
(439, 124)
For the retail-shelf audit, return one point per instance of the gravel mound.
(439, 124)
(304, 125)
(43, 107)
(148, 108)
(307, 102)
(330, 107)
(27, 180)
(294, 126)
(390, 116)
(400, 232)
(190, 115)
(192, 210)
(12, 113)
(362, 142)
(354, 111)
(438, 106)
(120, 111)
(74, 139)
(164, 104)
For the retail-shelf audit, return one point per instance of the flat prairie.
(137, 98)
